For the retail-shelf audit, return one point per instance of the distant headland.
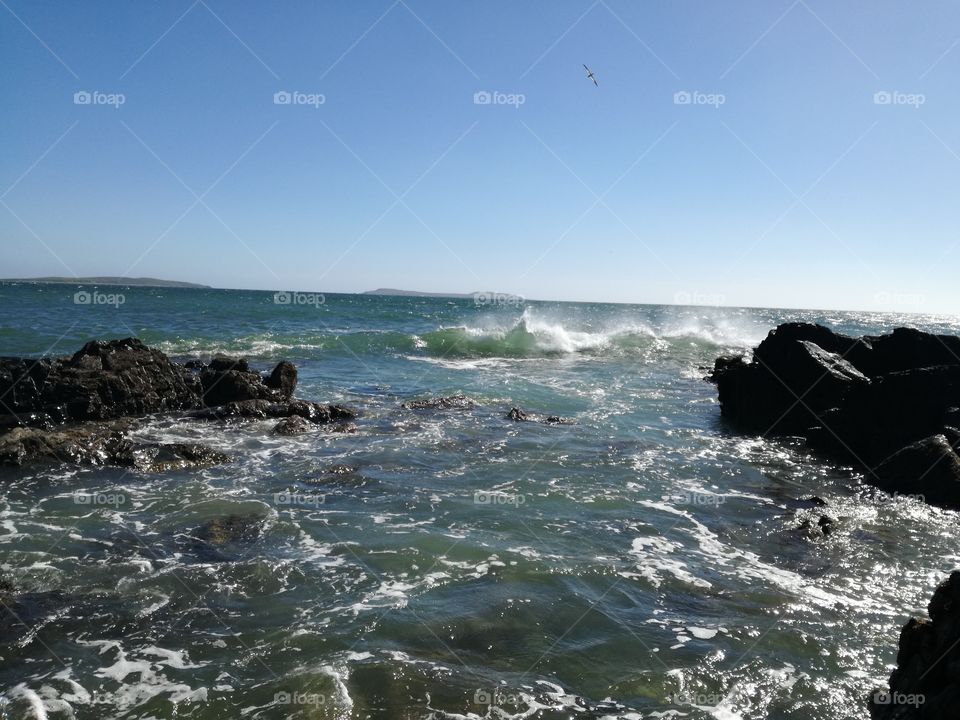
(417, 293)
(106, 280)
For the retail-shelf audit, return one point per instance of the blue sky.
(786, 181)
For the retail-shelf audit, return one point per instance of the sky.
(780, 153)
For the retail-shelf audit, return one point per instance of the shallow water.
(642, 562)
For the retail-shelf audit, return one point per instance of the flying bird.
(590, 75)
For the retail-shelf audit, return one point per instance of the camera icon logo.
(282, 97)
(82, 297)
(682, 97)
(82, 97)
(882, 97)
(282, 298)
(482, 97)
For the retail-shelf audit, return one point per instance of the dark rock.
(517, 415)
(824, 526)
(227, 380)
(163, 457)
(102, 380)
(283, 379)
(453, 402)
(929, 469)
(789, 383)
(856, 401)
(224, 363)
(263, 409)
(102, 443)
(231, 529)
(293, 425)
(908, 348)
(926, 682)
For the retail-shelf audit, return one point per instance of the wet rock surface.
(80, 409)
(886, 405)
(926, 682)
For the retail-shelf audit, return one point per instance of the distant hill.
(417, 293)
(107, 280)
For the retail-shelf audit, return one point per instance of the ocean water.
(642, 562)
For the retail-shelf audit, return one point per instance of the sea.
(640, 559)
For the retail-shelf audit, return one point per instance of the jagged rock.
(163, 457)
(854, 400)
(102, 380)
(929, 469)
(787, 385)
(293, 425)
(517, 415)
(453, 402)
(225, 380)
(102, 443)
(50, 406)
(283, 379)
(926, 683)
(263, 409)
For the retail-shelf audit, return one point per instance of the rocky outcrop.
(886, 405)
(101, 381)
(926, 683)
(102, 443)
(78, 409)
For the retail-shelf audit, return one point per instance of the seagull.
(590, 75)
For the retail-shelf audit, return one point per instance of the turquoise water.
(642, 562)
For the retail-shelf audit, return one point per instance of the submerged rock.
(518, 415)
(293, 425)
(453, 402)
(231, 529)
(102, 443)
(860, 401)
(926, 683)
